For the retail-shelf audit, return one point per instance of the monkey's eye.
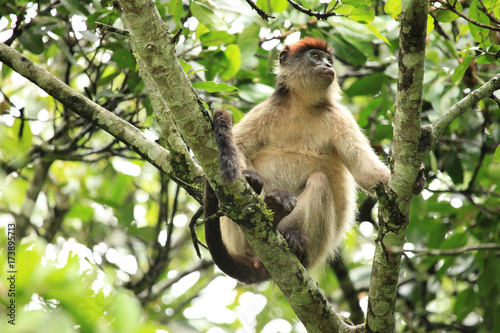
(316, 56)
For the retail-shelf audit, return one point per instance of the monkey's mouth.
(329, 72)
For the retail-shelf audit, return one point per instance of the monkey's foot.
(253, 180)
(297, 242)
(281, 203)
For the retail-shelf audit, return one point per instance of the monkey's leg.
(281, 203)
(309, 226)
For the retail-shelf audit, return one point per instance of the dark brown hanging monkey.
(305, 152)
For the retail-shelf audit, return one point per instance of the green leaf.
(276, 6)
(32, 41)
(362, 14)
(81, 211)
(109, 74)
(365, 112)
(478, 33)
(216, 38)
(64, 49)
(393, 8)
(346, 51)
(377, 33)
(248, 50)
(175, 9)
(430, 24)
(493, 171)
(459, 72)
(185, 66)
(125, 312)
(367, 85)
(206, 15)
(488, 277)
(75, 7)
(453, 167)
(497, 154)
(124, 59)
(434, 162)
(236, 113)
(211, 86)
(255, 92)
(232, 61)
(484, 60)
(343, 10)
(446, 16)
(418, 209)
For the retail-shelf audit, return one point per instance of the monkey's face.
(321, 63)
(313, 68)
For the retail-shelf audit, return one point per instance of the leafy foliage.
(107, 246)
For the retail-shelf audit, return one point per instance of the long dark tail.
(230, 168)
(238, 267)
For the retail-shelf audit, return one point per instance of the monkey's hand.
(281, 203)
(421, 180)
(253, 180)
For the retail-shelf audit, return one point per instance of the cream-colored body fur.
(311, 146)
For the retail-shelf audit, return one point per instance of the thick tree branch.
(170, 135)
(485, 91)
(153, 44)
(108, 121)
(396, 198)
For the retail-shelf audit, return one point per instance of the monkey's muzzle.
(330, 72)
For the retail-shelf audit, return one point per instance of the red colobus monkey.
(305, 152)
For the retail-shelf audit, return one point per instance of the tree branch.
(169, 134)
(318, 15)
(396, 198)
(265, 16)
(40, 172)
(106, 120)
(448, 252)
(452, 8)
(485, 91)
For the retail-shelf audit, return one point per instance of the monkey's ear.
(283, 56)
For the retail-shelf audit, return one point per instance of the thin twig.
(194, 235)
(105, 27)
(450, 7)
(448, 252)
(318, 15)
(291, 31)
(265, 16)
(485, 11)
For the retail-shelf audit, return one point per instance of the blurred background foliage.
(106, 243)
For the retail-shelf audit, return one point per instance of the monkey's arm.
(358, 156)
(250, 134)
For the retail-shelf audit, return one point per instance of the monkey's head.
(307, 65)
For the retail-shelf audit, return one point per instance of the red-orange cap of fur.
(306, 44)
